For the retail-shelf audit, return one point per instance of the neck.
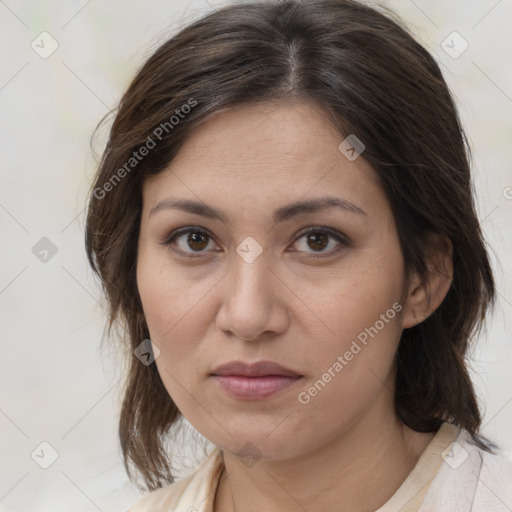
(359, 470)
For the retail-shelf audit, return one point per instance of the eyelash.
(339, 237)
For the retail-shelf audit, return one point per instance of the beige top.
(452, 475)
(410, 494)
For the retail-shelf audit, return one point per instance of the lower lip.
(254, 388)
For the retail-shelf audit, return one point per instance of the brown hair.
(372, 79)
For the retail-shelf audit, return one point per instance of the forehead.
(268, 153)
(291, 130)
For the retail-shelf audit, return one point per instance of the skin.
(345, 446)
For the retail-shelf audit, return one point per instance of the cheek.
(349, 375)
(361, 294)
(165, 292)
(352, 365)
(359, 309)
(170, 315)
(177, 312)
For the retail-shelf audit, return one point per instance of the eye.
(317, 238)
(198, 240)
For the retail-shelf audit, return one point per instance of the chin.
(257, 444)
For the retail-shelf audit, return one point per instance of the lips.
(256, 369)
(254, 381)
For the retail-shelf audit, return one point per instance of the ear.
(424, 297)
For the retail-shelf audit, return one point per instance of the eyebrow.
(280, 214)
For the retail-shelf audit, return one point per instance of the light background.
(58, 385)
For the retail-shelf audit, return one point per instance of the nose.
(253, 301)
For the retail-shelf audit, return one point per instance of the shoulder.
(471, 479)
(192, 493)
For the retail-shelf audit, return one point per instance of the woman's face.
(253, 285)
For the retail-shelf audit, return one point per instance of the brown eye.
(317, 240)
(197, 240)
(195, 243)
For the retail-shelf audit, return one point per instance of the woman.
(284, 209)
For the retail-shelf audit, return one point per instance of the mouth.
(254, 381)
(254, 388)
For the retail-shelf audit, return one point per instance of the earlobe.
(423, 297)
